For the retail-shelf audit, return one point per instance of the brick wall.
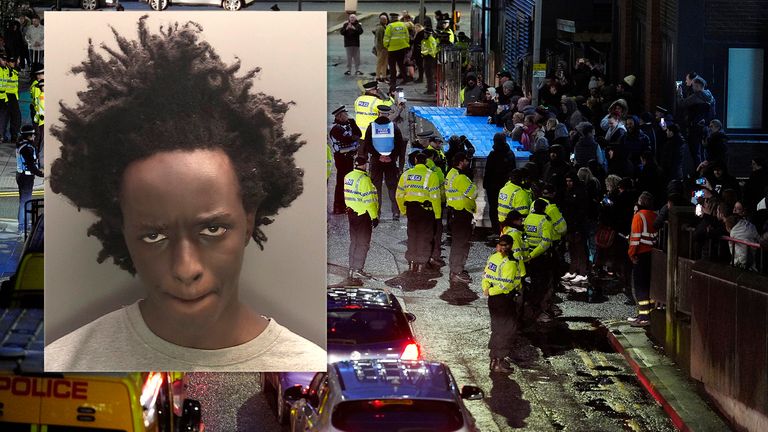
(740, 22)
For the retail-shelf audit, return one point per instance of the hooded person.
(501, 161)
(635, 141)
(471, 92)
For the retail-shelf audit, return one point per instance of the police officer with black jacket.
(26, 169)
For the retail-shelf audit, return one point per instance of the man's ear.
(250, 219)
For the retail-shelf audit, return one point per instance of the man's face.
(35, 22)
(569, 183)
(630, 125)
(713, 128)
(186, 231)
(383, 20)
(504, 248)
(463, 164)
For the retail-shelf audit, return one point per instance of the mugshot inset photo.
(185, 192)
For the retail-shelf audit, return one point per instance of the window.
(746, 70)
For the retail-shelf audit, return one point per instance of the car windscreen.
(383, 415)
(361, 326)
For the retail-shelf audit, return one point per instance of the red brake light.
(411, 352)
(353, 306)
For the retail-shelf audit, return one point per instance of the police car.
(275, 384)
(383, 396)
(368, 323)
(232, 5)
(134, 402)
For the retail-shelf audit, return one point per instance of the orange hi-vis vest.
(643, 234)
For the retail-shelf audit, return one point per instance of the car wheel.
(89, 4)
(232, 5)
(282, 413)
(158, 5)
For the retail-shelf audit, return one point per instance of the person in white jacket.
(741, 229)
(34, 36)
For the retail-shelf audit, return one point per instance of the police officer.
(513, 227)
(446, 33)
(3, 97)
(435, 143)
(502, 284)
(429, 55)
(559, 226)
(37, 108)
(26, 169)
(344, 137)
(460, 193)
(365, 105)
(363, 214)
(12, 99)
(514, 196)
(397, 41)
(385, 144)
(418, 197)
(539, 232)
(435, 259)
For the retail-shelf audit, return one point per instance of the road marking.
(16, 193)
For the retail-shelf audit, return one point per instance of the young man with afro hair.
(182, 165)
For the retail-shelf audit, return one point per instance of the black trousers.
(429, 71)
(505, 316)
(492, 198)
(437, 237)
(396, 59)
(13, 117)
(461, 233)
(388, 173)
(3, 119)
(344, 163)
(641, 279)
(420, 231)
(540, 270)
(360, 229)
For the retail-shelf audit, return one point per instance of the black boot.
(501, 366)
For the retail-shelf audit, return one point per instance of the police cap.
(339, 110)
(27, 130)
(361, 160)
(425, 134)
(661, 109)
(371, 85)
(384, 108)
(39, 71)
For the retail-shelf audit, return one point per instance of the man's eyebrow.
(213, 216)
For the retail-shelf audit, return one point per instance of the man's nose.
(187, 266)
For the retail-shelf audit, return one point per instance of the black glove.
(375, 222)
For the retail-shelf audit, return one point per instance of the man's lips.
(190, 298)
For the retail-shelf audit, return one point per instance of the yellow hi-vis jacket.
(559, 226)
(513, 197)
(328, 161)
(396, 36)
(519, 247)
(502, 275)
(3, 79)
(419, 184)
(460, 192)
(360, 194)
(429, 47)
(12, 82)
(365, 110)
(539, 232)
(440, 177)
(38, 103)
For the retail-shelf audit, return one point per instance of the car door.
(306, 417)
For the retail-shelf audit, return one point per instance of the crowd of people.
(406, 48)
(21, 50)
(588, 204)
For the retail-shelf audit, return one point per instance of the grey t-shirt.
(120, 341)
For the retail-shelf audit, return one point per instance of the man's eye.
(153, 238)
(213, 231)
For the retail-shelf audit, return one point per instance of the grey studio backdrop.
(287, 280)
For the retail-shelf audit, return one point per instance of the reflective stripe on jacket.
(360, 194)
(539, 232)
(501, 275)
(460, 192)
(513, 197)
(643, 234)
(419, 184)
(396, 36)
